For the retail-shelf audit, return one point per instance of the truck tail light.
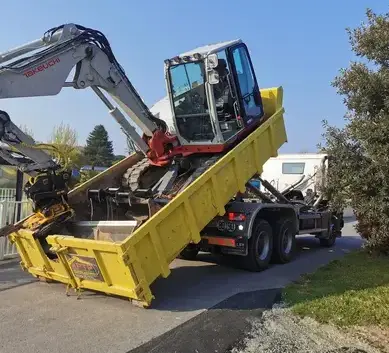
(234, 216)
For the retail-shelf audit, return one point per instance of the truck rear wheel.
(328, 239)
(328, 242)
(260, 247)
(189, 253)
(284, 247)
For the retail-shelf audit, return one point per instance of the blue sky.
(298, 44)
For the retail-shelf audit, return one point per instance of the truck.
(119, 231)
(261, 225)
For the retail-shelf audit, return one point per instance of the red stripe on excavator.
(157, 143)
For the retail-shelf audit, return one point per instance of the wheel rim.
(263, 245)
(287, 241)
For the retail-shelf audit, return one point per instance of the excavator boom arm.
(44, 73)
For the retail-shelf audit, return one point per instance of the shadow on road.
(191, 287)
(216, 330)
(349, 219)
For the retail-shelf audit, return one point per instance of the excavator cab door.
(250, 107)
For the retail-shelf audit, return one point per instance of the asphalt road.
(219, 329)
(39, 317)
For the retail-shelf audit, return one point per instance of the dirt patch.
(279, 331)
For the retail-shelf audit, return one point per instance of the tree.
(118, 158)
(359, 174)
(86, 175)
(99, 150)
(64, 139)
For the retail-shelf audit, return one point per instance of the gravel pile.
(278, 331)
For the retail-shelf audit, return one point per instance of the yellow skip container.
(128, 267)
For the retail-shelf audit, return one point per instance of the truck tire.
(189, 253)
(328, 242)
(284, 247)
(328, 239)
(260, 247)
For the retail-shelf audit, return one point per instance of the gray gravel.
(278, 331)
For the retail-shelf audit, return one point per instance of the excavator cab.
(214, 95)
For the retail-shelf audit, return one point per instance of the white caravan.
(288, 169)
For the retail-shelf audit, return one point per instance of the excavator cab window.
(190, 101)
(251, 108)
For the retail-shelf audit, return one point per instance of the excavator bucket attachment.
(123, 258)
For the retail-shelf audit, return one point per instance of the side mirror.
(213, 77)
